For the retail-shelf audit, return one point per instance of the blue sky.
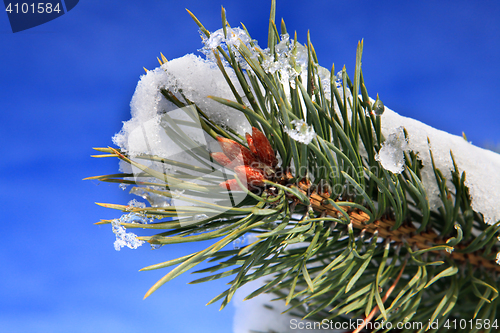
(66, 87)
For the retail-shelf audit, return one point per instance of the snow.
(196, 78)
(147, 131)
(124, 238)
(155, 200)
(235, 36)
(391, 155)
(281, 63)
(136, 204)
(480, 165)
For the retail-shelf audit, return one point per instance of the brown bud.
(250, 144)
(231, 185)
(264, 149)
(221, 158)
(251, 176)
(235, 151)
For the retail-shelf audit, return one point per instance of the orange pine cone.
(264, 149)
(235, 151)
(252, 176)
(221, 158)
(250, 144)
(231, 185)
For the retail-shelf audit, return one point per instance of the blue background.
(66, 87)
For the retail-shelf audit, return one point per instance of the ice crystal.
(154, 199)
(302, 132)
(324, 77)
(123, 186)
(199, 217)
(136, 204)
(338, 79)
(124, 238)
(289, 60)
(391, 155)
(235, 36)
(239, 242)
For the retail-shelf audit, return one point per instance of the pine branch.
(403, 235)
(331, 222)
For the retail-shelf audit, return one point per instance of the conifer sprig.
(333, 233)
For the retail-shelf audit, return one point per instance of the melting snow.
(196, 79)
(302, 132)
(391, 155)
(480, 165)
